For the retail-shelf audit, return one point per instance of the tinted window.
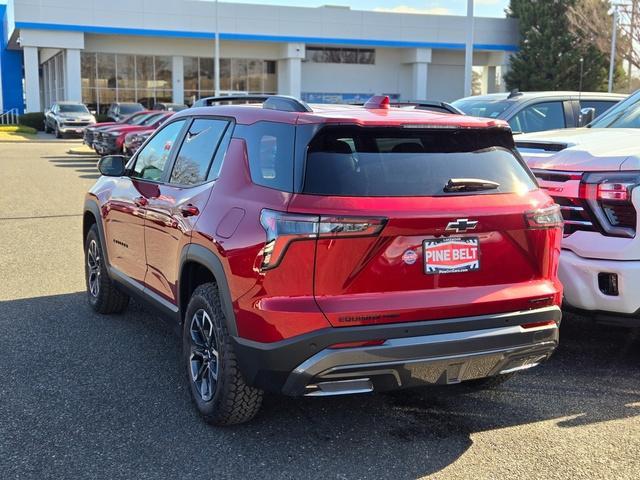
(152, 159)
(137, 118)
(360, 161)
(151, 119)
(195, 155)
(600, 106)
(129, 109)
(539, 117)
(625, 114)
(479, 107)
(270, 149)
(214, 171)
(73, 109)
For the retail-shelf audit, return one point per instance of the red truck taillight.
(609, 195)
(284, 228)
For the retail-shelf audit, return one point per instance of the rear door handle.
(189, 210)
(141, 201)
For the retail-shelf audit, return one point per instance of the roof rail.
(431, 105)
(274, 102)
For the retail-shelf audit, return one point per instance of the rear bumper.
(420, 353)
(581, 290)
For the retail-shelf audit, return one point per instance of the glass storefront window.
(236, 75)
(106, 70)
(108, 77)
(126, 71)
(225, 74)
(164, 77)
(239, 75)
(190, 75)
(206, 74)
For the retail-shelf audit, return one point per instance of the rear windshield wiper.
(469, 185)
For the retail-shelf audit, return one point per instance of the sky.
(483, 8)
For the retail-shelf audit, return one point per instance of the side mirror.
(92, 112)
(112, 165)
(586, 116)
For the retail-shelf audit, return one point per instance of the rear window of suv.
(398, 162)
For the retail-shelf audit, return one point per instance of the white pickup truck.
(593, 173)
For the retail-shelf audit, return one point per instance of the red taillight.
(539, 324)
(548, 217)
(609, 196)
(365, 343)
(284, 228)
(615, 191)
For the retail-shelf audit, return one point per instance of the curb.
(81, 153)
(59, 142)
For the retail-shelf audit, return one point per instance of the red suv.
(329, 251)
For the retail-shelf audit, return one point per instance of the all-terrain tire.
(232, 400)
(104, 296)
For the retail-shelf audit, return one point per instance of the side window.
(152, 159)
(600, 106)
(197, 149)
(270, 149)
(539, 117)
(216, 166)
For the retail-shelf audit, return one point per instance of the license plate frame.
(437, 260)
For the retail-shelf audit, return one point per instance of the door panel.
(171, 216)
(174, 211)
(124, 228)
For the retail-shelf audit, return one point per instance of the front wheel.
(58, 132)
(103, 295)
(217, 386)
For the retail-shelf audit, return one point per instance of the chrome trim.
(583, 223)
(430, 359)
(572, 209)
(340, 387)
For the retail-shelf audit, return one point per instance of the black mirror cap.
(112, 165)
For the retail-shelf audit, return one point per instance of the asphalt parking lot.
(86, 396)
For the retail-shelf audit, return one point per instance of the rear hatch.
(419, 224)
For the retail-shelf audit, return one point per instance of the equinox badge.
(462, 225)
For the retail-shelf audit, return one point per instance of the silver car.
(67, 118)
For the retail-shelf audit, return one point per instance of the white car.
(594, 174)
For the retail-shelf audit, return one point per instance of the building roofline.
(257, 37)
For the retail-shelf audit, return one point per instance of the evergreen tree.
(551, 48)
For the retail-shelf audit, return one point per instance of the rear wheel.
(217, 387)
(103, 295)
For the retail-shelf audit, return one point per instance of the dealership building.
(99, 52)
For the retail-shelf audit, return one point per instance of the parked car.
(118, 111)
(329, 250)
(538, 111)
(65, 118)
(135, 119)
(594, 173)
(170, 107)
(133, 141)
(110, 140)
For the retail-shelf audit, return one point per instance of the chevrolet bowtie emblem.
(462, 225)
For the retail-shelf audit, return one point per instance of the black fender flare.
(205, 257)
(92, 207)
